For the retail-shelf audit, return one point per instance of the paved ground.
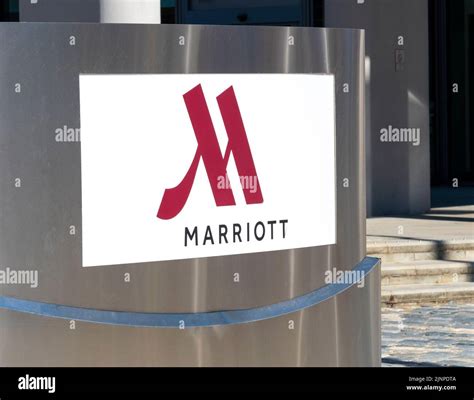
(438, 335)
(450, 219)
(428, 336)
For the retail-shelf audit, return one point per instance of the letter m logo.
(209, 151)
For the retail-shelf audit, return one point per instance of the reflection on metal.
(170, 320)
(40, 219)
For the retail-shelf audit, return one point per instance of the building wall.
(118, 11)
(60, 11)
(398, 174)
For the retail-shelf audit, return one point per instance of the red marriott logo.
(209, 151)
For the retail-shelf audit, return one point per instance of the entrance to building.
(471, 97)
(452, 92)
(9, 10)
(251, 12)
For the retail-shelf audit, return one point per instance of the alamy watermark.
(46, 383)
(340, 277)
(10, 276)
(401, 135)
(249, 183)
(66, 134)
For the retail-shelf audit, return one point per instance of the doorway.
(452, 92)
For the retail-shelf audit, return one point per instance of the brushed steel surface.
(342, 331)
(190, 320)
(35, 219)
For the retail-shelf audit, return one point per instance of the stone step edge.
(431, 293)
(427, 268)
(418, 246)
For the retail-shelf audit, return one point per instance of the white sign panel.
(201, 165)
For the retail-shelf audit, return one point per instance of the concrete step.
(403, 250)
(427, 293)
(427, 272)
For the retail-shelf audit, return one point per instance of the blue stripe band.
(185, 320)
